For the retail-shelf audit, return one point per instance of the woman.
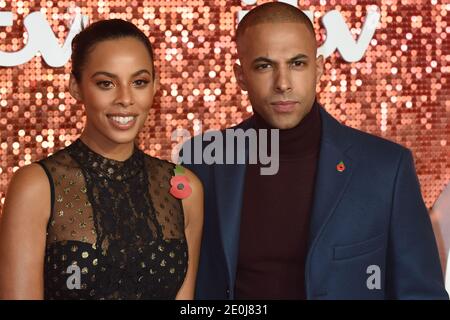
(100, 219)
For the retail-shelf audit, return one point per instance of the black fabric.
(117, 222)
(50, 181)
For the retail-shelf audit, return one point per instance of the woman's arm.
(193, 217)
(23, 226)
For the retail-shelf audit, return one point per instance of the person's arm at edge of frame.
(414, 270)
(23, 226)
(193, 215)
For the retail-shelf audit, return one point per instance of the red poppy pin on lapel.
(341, 166)
(179, 183)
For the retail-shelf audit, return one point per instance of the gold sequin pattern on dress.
(73, 238)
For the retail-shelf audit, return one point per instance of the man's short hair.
(273, 12)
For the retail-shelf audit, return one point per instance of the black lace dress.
(115, 231)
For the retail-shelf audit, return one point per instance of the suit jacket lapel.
(330, 185)
(229, 184)
(331, 180)
(229, 190)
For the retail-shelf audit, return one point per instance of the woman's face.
(117, 87)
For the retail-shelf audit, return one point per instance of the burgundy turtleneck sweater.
(275, 216)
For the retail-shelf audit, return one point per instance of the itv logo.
(42, 41)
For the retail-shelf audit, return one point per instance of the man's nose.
(283, 81)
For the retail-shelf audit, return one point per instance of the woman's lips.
(122, 122)
(284, 106)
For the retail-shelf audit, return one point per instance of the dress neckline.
(104, 167)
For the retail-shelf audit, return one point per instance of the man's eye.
(263, 66)
(105, 84)
(298, 63)
(141, 82)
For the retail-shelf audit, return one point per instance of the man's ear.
(239, 74)
(74, 88)
(319, 67)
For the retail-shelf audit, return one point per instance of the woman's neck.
(108, 148)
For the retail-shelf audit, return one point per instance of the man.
(343, 218)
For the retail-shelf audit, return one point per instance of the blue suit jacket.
(371, 214)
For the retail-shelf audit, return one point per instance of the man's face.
(279, 69)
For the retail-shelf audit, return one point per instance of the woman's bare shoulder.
(29, 187)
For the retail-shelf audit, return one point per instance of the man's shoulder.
(378, 155)
(368, 143)
(370, 140)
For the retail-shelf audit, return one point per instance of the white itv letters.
(42, 40)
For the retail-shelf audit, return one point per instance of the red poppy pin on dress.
(341, 166)
(180, 187)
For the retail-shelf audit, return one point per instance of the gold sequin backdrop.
(399, 90)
